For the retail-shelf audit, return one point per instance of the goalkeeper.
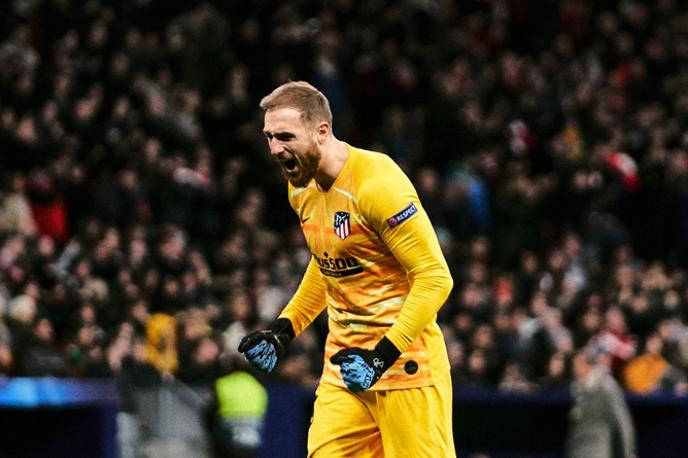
(378, 269)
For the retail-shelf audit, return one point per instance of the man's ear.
(322, 132)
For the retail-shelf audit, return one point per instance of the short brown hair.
(301, 96)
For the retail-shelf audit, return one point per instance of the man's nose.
(276, 147)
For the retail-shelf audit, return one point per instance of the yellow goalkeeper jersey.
(378, 268)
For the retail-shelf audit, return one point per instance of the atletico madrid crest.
(342, 227)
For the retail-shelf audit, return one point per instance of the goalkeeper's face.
(293, 143)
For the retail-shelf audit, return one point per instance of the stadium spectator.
(650, 371)
(600, 423)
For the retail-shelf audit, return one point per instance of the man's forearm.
(428, 293)
(308, 301)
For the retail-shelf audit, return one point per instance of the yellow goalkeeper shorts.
(412, 422)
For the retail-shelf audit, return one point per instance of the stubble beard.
(308, 165)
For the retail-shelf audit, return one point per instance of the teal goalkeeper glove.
(263, 349)
(361, 368)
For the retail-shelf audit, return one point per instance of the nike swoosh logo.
(303, 221)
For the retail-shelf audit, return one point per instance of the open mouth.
(290, 165)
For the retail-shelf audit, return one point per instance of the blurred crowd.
(144, 231)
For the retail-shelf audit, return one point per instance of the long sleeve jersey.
(376, 266)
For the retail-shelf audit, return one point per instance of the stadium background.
(547, 139)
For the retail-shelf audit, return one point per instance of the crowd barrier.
(61, 418)
(58, 418)
(498, 424)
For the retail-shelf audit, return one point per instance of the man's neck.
(334, 156)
